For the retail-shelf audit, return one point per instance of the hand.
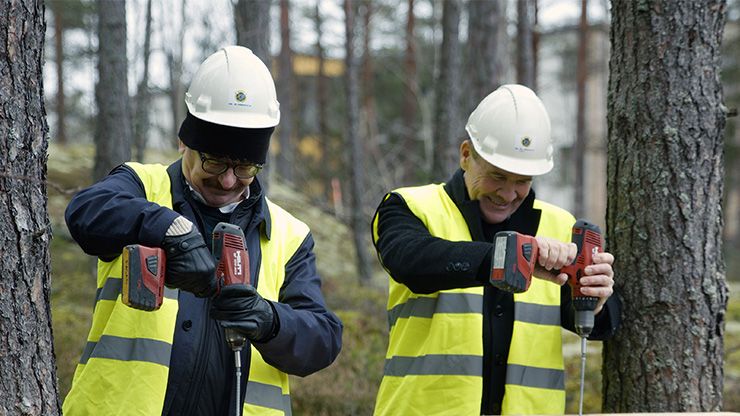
(599, 279)
(189, 265)
(552, 256)
(240, 307)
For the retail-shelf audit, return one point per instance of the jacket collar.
(525, 219)
(183, 202)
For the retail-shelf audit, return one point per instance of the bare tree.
(141, 119)
(524, 46)
(285, 92)
(664, 222)
(252, 21)
(357, 188)
(487, 47)
(322, 103)
(113, 128)
(173, 51)
(448, 122)
(28, 368)
(57, 10)
(410, 97)
(579, 148)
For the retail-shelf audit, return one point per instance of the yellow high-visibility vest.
(125, 364)
(434, 362)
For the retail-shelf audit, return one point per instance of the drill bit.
(238, 374)
(583, 375)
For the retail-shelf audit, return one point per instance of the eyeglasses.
(217, 167)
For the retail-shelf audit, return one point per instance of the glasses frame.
(253, 167)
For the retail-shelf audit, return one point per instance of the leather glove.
(240, 307)
(189, 264)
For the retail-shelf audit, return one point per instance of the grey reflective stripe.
(112, 288)
(128, 349)
(426, 307)
(435, 364)
(267, 395)
(537, 314)
(545, 378)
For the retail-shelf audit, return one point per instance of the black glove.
(240, 307)
(189, 264)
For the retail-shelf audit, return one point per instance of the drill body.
(587, 237)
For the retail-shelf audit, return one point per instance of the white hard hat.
(233, 87)
(510, 129)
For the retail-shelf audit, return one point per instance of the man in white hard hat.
(457, 344)
(175, 361)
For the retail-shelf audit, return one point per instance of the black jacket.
(426, 264)
(115, 212)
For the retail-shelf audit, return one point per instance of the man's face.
(498, 192)
(217, 190)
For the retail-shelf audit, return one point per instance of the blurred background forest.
(361, 118)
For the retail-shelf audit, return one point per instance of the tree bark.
(410, 107)
(61, 136)
(141, 120)
(113, 134)
(487, 48)
(28, 368)
(358, 222)
(448, 123)
(252, 18)
(579, 148)
(285, 91)
(664, 222)
(524, 53)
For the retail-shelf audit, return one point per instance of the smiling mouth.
(496, 203)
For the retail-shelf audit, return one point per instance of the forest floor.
(349, 385)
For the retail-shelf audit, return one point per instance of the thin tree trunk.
(252, 18)
(358, 221)
(579, 147)
(141, 121)
(487, 48)
(524, 52)
(410, 108)
(174, 69)
(113, 134)
(664, 222)
(27, 364)
(535, 44)
(61, 136)
(322, 101)
(285, 93)
(448, 124)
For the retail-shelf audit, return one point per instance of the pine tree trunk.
(579, 148)
(664, 222)
(357, 188)
(141, 119)
(113, 135)
(61, 136)
(410, 108)
(524, 54)
(28, 382)
(448, 127)
(487, 48)
(285, 91)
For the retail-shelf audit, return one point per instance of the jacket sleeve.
(113, 213)
(309, 337)
(606, 322)
(422, 262)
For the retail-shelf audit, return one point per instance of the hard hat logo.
(526, 141)
(240, 96)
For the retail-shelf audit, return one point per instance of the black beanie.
(238, 143)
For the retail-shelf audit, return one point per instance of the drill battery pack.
(513, 260)
(143, 277)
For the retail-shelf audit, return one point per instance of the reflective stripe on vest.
(444, 372)
(124, 366)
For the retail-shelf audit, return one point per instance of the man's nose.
(507, 191)
(228, 179)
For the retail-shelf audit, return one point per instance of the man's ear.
(181, 146)
(466, 155)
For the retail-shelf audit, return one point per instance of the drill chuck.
(584, 322)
